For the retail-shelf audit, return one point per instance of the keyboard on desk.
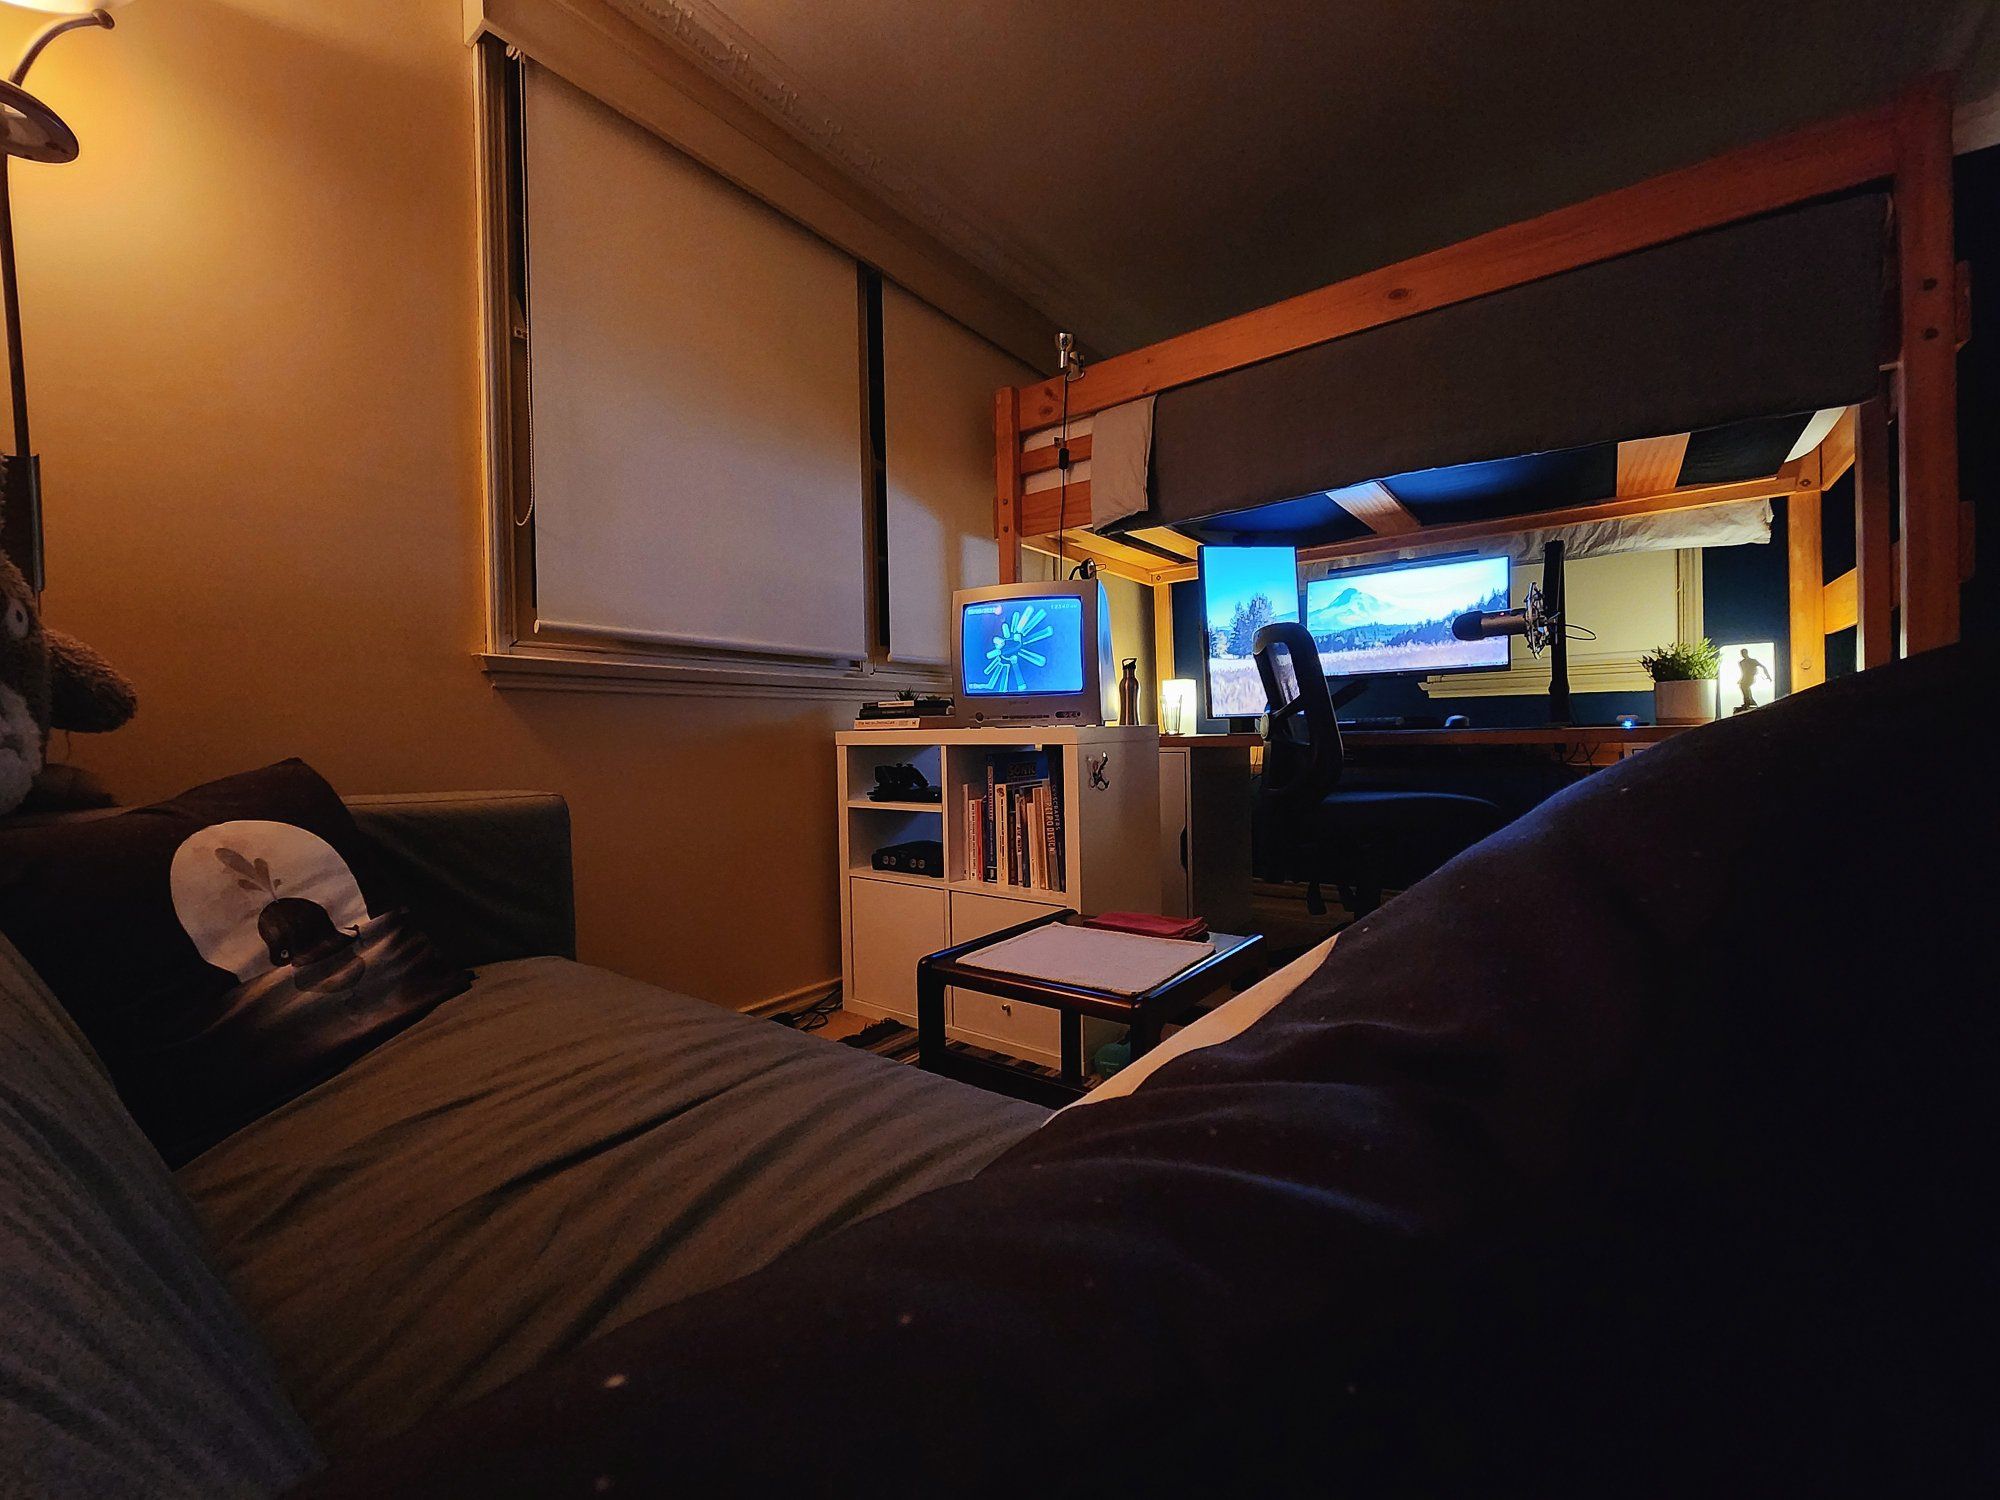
(1394, 721)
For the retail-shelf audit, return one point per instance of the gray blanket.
(546, 1157)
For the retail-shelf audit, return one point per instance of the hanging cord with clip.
(1069, 368)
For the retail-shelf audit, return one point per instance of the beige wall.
(251, 315)
(1131, 624)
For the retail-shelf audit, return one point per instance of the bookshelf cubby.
(1107, 779)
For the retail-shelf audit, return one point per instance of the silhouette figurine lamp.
(31, 130)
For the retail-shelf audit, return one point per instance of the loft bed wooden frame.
(1905, 143)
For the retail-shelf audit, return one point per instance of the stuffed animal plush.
(47, 681)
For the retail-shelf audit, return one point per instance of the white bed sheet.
(1230, 1019)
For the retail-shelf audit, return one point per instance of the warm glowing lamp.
(28, 129)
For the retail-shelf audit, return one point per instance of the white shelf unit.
(1110, 787)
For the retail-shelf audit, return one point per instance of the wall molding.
(805, 994)
(1690, 603)
(722, 48)
(692, 80)
(1609, 672)
(1589, 671)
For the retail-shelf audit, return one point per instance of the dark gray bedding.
(1624, 1157)
(543, 1158)
(126, 1369)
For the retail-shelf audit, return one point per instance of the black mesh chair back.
(1302, 754)
(1362, 838)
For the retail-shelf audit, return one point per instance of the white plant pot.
(1684, 702)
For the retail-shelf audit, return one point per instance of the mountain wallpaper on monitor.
(1400, 620)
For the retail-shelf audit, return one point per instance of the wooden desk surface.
(1541, 734)
(1579, 745)
(1575, 744)
(1575, 734)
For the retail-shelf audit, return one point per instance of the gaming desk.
(1574, 745)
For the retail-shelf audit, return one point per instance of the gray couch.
(548, 1155)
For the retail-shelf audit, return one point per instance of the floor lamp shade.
(30, 129)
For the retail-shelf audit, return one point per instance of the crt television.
(1243, 589)
(1034, 652)
(1398, 618)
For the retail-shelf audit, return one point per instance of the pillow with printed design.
(224, 950)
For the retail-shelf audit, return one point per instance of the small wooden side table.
(1146, 1013)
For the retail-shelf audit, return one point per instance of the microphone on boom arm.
(1539, 623)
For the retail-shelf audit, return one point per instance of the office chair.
(1310, 825)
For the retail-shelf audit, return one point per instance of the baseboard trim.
(792, 999)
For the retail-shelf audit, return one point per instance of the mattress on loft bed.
(543, 1158)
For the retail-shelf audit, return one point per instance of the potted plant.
(1683, 681)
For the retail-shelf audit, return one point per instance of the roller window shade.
(938, 382)
(696, 400)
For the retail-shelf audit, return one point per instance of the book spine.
(1014, 836)
(988, 870)
(1062, 845)
(1020, 839)
(1048, 837)
(1042, 837)
(923, 723)
(1007, 832)
(1033, 818)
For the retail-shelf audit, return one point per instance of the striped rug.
(894, 1040)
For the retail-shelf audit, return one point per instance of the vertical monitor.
(1243, 589)
(1398, 618)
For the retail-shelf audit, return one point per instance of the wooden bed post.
(1874, 564)
(1927, 418)
(1807, 573)
(1007, 481)
(1163, 646)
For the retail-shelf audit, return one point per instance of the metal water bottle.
(1128, 692)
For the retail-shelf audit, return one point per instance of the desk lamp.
(31, 130)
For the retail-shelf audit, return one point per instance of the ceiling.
(1139, 167)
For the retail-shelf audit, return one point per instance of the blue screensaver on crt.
(1012, 647)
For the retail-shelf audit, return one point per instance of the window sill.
(553, 671)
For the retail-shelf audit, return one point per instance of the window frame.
(520, 652)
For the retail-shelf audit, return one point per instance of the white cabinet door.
(1174, 833)
(1010, 1026)
(894, 923)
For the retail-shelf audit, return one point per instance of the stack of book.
(1014, 827)
(922, 711)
